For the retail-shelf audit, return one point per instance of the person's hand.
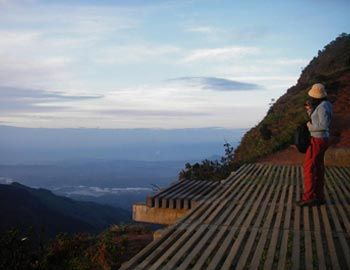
(308, 109)
(309, 125)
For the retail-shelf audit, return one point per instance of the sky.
(155, 64)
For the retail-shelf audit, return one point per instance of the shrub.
(208, 169)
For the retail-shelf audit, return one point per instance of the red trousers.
(314, 169)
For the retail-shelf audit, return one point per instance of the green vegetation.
(276, 131)
(106, 250)
(208, 169)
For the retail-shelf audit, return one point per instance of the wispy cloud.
(203, 29)
(215, 84)
(134, 54)
(48, 45)
(33, 100)
(287, 62)
(219, 54)
(20, 38)
(229, 34)
(99, 191)
(148, 113)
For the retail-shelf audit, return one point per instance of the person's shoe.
(320, 201)
(303, 203)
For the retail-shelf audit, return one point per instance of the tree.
(208, 169)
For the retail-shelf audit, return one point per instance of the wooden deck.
(182, 195)
(251, 222)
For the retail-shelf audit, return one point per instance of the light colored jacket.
(320, 120)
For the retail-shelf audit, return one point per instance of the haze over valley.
(112, 166)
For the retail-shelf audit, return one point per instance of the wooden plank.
(286, 224)
(175, 185)
(307, 240)
(249, 244)
(318, 239)
(345, 183)
(199, 247)
(160, 248)
(162, 192)
(339, 197)
(180, 197)
(247, 203)
(170, 199)
(217, 205)
(166, 198)
(346, 171)
(196, 218)
(203, 208)
(177, 249)
(241, 207)
(216, 195)
(139, 257)
(336, 222)
(205, 186)
(183, 248)
(244, 228)
(172, 232)
(241, 197)
(296, 226)
(192, 200)
(232, 215)
(242, 191)
(276, 231)
(213, 230)
(232, 196)
(329, 237)
(212, 246)
(266, 227)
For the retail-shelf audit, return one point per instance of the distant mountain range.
(49, 146)
(100, 174)
(23, 207)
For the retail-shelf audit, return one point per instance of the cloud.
(288, 62)
(99, 191)
(45, 46)
(216, 84)
(219, 54)
(134, 54)
(10, 39)
(147, 113)
(203, 29)
(33, 100)
(249, 33)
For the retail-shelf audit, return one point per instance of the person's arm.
(308, 108)
(324, 120)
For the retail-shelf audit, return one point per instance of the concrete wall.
(337, 157)
(165, 216)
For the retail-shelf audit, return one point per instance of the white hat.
(317, 91)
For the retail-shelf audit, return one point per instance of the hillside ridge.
(275, 131)
(24, 207)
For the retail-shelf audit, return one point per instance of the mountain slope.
(23, 207)
(275, 132)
